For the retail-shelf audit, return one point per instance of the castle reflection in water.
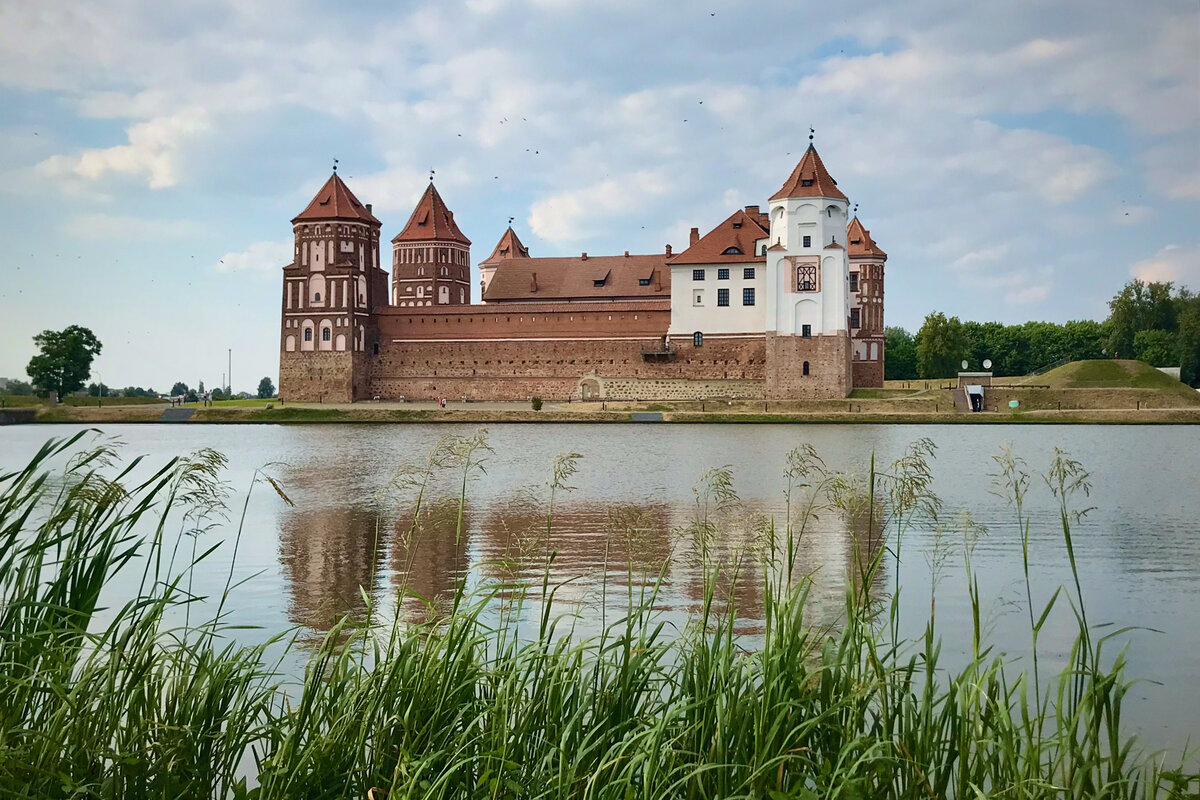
(415, 560)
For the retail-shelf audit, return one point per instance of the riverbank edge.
(308, 415)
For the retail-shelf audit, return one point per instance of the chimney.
(668, 249)
(533, 283)
(627, 254)
(368, 208)
(584, 257)
(752, 210)
(694, 237)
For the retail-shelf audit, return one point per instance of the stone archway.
(589, 389)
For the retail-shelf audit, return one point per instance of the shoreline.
(370, 413)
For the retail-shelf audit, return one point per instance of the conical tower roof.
(810, 179)
(336, 201)
(860, 241)
(431, 221)
(509, 246)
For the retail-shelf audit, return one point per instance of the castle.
(785, 303)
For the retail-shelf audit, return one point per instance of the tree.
(941, 345)
(190, 396)
(217, 394)
(900, 355)
(200, 388)
(65, 360)
(1156, 348)
(179, 389)
(99, 390)
(1139, 306)
(15, 387)
(1187, 341)
(266, 389)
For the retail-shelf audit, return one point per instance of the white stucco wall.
(687, 317)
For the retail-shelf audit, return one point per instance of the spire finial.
(856, 209)
(335, 165)
(432, 171)
(510, 220)
(811, 132)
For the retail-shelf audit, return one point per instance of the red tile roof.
(810, 179)
(335, 201)
(739, 231)
(431, 221)
(562, 279)
(861, 243)
(509, 246)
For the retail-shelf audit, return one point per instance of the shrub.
(536, 402)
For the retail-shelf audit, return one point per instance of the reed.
(141, 701)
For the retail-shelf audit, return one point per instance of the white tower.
(807, 263)
(808, 272)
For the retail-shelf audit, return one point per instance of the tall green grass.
(504, 700)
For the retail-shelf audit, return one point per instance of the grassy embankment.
(128, 704)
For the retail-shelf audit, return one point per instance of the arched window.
(697, 339)
(324, 334)
(308, 334)
(732, 251)
(445, 271)
(805, 367)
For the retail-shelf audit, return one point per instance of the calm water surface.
(635, 494)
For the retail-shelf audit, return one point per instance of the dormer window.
(806, 182)
(737, 224)
(732, 251)
(643, 281)
(598, 282)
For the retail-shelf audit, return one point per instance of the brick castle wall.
(322, 377)
(829, 373)
(868, 374)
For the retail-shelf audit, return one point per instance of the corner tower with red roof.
(807, 316)
(329, 293)
(431, 258)
(866, 305)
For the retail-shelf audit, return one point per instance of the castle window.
(698, 298)
(325, 334)
(808, 241)
(722, 297)
(317, 297)
(697, 274)
(806, 182)
(854, 281)
(805, 367)
(748, 273)
(697, 339)
(806, 332)
(723, 274)
(732, 251)
(308, 334)
(806, 277)
(445, 271)
(747, 297)
(643, 281)
(855, 318)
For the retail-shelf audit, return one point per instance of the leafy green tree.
(1187, 341)
(941, 345)
(1156, 348)
(99, 390)
(266, 389)
(899, 355)
(179, 389)
(15, 387)
(190, 396)
(1139, 306)
(217, 394)
(64, 361)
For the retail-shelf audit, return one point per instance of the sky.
(1017, 160)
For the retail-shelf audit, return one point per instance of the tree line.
(1149, 321)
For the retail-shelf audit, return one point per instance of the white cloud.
(1177, 263)
(579, 213)
(265, 258)
(109, 226)
(152, 152)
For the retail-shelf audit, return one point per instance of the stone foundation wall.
(828, 357)
(867, 374)
(677, 389)
(322, 377)
(557, 369)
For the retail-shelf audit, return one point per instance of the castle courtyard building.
(782, 303)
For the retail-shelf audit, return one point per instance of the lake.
(630, 512)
